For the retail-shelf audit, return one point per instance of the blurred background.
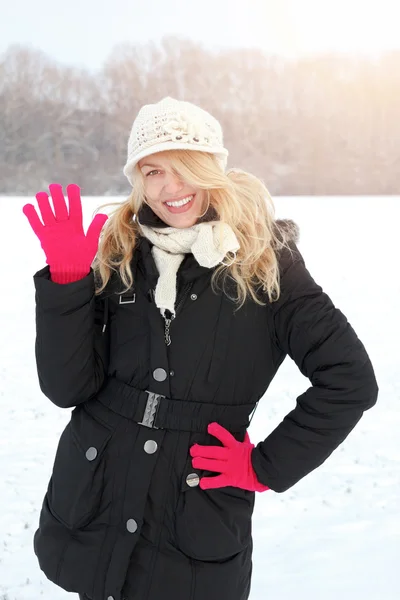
(308, 92)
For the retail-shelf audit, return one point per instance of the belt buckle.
(151, 409)
(127, 299)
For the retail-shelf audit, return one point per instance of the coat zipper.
(169, 317)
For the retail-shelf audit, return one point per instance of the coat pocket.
(212, 525)
(75, 486)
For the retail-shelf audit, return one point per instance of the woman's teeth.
(180, 202)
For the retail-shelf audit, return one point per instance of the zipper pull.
(168, 318)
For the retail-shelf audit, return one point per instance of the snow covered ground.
(336, 534)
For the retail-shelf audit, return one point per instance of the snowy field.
(336, 534)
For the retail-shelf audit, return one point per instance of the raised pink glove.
(233, 462)
(69, 252)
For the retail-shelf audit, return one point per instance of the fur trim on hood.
(287, 230)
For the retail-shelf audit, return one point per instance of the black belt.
(159, 412)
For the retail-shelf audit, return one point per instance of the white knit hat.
(173, 125)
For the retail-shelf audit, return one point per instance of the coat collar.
(190, 270)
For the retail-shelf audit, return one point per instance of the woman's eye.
(152, 172)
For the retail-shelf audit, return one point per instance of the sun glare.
(353, 25)
(302, 26)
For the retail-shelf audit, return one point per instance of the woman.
(164, 345)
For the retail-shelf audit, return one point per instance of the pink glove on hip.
(69, 252)
(232, 461)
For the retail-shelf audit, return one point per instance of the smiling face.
(177, 203)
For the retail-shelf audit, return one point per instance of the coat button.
(193, 297)
(160, 374)
(192, 479)
(91, 453)
(131, 525)
(150, 447)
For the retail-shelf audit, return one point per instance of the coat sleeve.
(318, 337)
(71, 349)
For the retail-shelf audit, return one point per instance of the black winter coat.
(123, 516)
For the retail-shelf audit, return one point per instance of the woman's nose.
(172, 183)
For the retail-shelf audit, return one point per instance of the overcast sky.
(83, 32)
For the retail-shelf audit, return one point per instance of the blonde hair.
(240, 199)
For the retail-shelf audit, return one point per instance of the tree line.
(323, 124)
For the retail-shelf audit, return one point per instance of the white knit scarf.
(209, 243)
